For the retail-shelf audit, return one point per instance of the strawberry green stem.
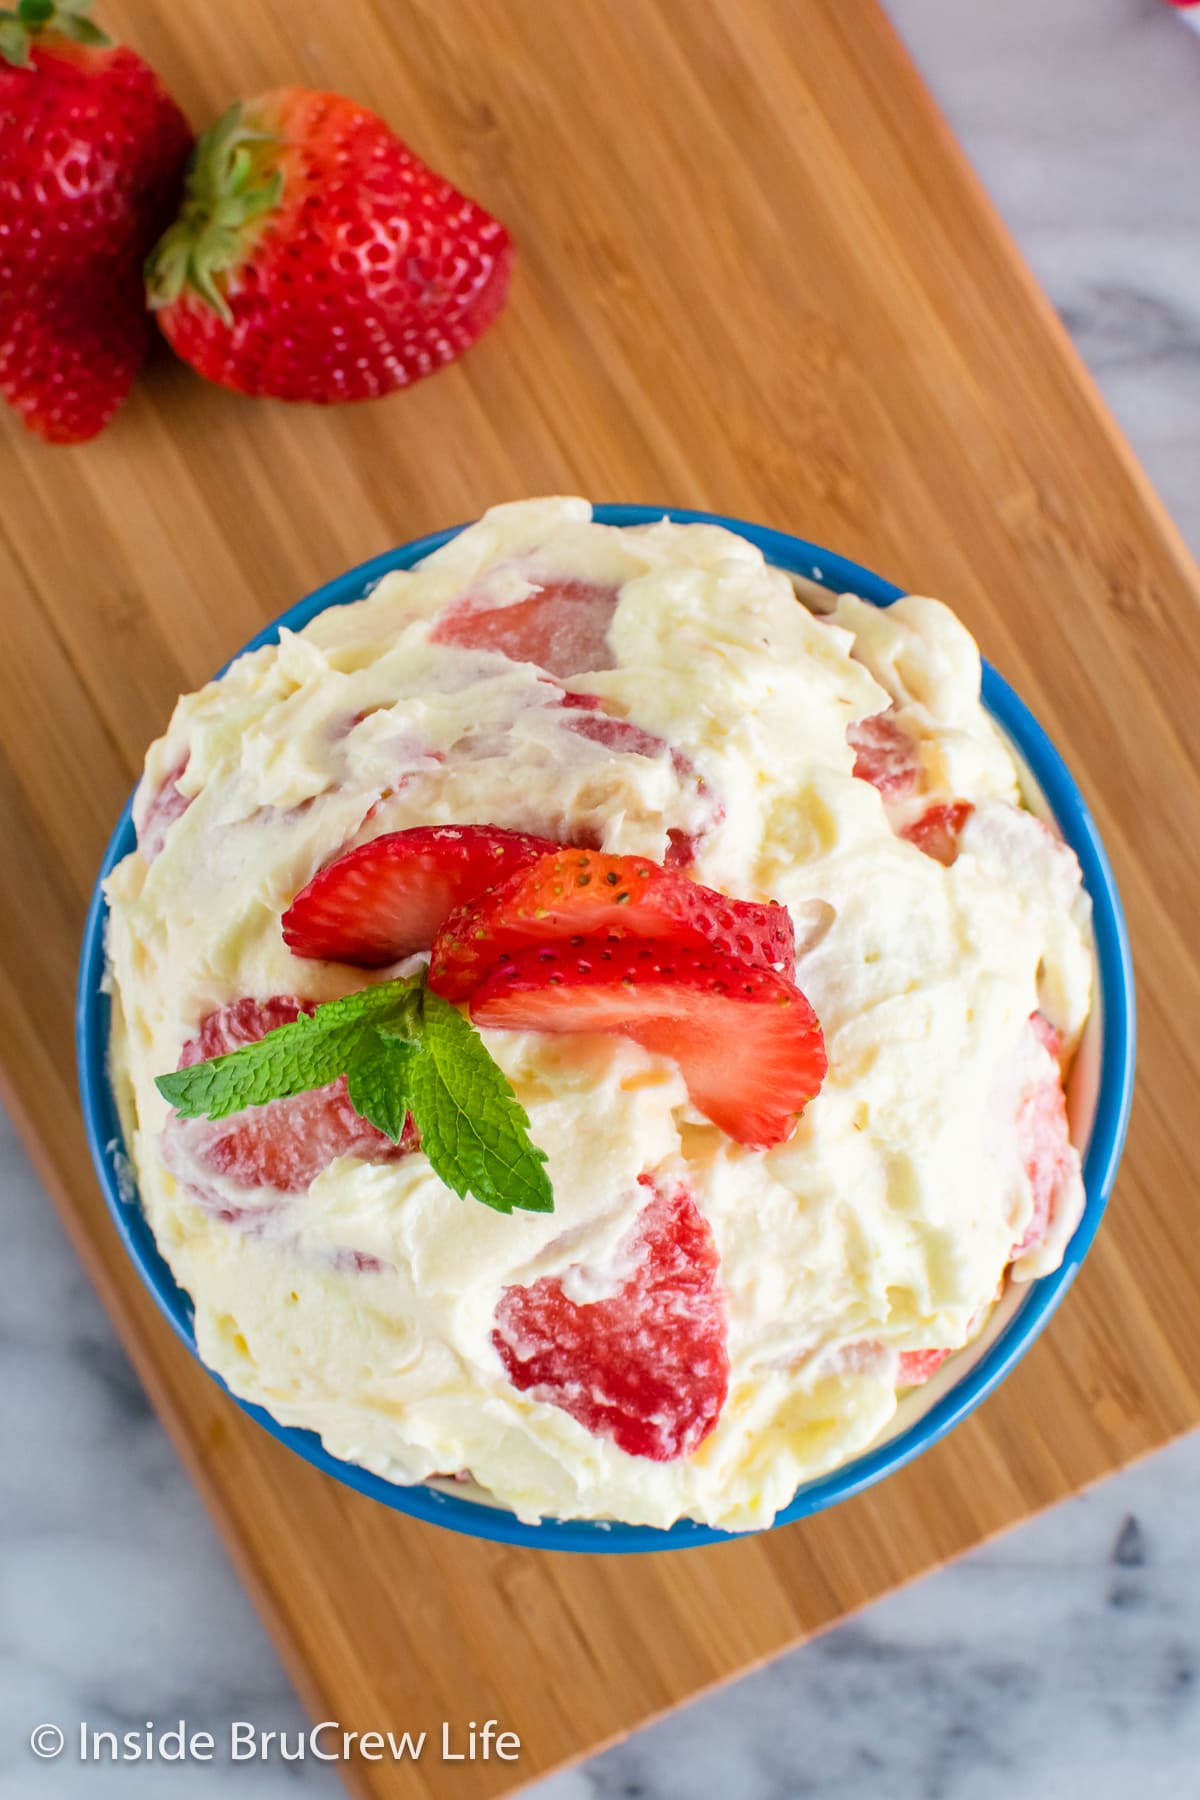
(234, 183)
(29, 19)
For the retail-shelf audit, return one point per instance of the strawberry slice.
(167, 805)
(939, 830)
(682, 850)
(1044, 1137)
(919, 1366)
(387, 898)
(628, 739)
(562, 627)
(621, 735)
(284, 1144)
(885, 755)
(648, 1368)
(747, 1042)
(574, 893)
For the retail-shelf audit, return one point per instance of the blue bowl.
(952, 1396)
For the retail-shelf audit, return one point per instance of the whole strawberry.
(317, 258)
(92, 155)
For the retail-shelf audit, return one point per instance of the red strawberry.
(317, 258)
(573, 893)
(563, 627)
(747, 1042)
(885, 755)
(918, 1366)
(286, 1143)
(387, 898)
(648, 1368)
(939, 829)
(1043, 1134)
(68, 360)
(92, 155)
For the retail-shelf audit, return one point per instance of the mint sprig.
(469, 1118)
(380, 1084)
(403, 1050)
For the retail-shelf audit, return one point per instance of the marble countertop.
(1062, 1659)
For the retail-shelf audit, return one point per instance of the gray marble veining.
(1061, 1660)
(1064, 1659)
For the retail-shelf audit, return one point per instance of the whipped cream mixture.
(364, 1307)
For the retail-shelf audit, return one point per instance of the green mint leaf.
(396, 1002)
(315, 1049)
(402, 1050)
(379, 1083)
(288, 1061)
(473, 1129)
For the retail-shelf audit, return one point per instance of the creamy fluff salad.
(766, 1224)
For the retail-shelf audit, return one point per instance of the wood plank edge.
(1041, 306)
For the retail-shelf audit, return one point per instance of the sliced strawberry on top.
(584, 893)
(746, 1040)
(1044, 1137)
(649, 1367)
(938, 831)
(286, 1143)
(387, 898)
(562, 627)
(885, 755)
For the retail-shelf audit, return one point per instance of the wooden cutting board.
(756, 276)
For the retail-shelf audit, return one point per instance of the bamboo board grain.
(755, 275)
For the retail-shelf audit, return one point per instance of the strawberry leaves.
(402, 1050)
(233, 182)
(19, 24)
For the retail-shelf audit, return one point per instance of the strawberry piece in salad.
(938, 831)
(166, 805)
(561, 627)
(285, 1144)
(885, 755)
(1044, 1136)
(648, 1367)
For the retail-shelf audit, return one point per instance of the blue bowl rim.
(839, 574)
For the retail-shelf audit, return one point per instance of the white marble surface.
(1064, 1659)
